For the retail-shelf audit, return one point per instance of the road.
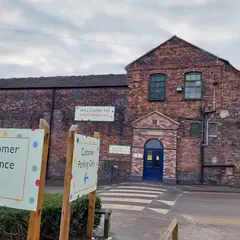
(144, 210)
(207, 216)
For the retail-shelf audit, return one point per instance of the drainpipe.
(202, 146)
(50, 133)
(206, 144)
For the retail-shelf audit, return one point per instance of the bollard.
(107, 223)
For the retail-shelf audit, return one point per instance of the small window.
(149, 159)
(212, 129)
(195, 129)
(77, 95)
(157, 87)
(157, 160)
(193, 85)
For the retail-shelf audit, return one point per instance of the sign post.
(66, 207)
(35, 217)
(80, 176)
(91, 204)
(23, 156)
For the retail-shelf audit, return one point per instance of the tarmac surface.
(145, 210)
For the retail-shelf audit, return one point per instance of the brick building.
(178, 108)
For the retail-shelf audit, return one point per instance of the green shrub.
(14, 222)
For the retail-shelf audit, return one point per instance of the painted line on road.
(134, 200)
(135, 191)
(170, 203)
(216, 220)
(145, 188)
(159, 210)
(211, 193)
(129, 194)
(123, 207)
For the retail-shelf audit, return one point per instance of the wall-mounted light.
(179, 89)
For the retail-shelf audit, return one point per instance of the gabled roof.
(158, 113)
(110, 80)
(152, 50)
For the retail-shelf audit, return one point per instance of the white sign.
(20, 166)
(84, 166)
(88, 113)
(138, 155)
(118, 149)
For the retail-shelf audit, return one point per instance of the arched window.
(157, 87)
(154, 143)
(193, 85)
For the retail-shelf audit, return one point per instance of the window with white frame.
(212, 129)
(193, 85)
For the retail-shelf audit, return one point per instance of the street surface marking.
(123, 207)
(134, 200)
(213, 193)
(146, 188)
(129, 194)
(136, 191)
(216, 220)
(170, 203)
(159, 210)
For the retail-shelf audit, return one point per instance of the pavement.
(145, 210)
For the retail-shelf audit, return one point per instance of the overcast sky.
(103, 36)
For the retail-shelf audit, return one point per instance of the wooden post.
(35, 217)
(175, 232)
(91, 205)
(66, 206)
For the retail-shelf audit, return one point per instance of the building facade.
(177, 107)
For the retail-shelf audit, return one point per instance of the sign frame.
(66, 205)
(120, 149)
(34, 222)
(95, 113)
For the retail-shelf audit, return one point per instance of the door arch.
(153, 160)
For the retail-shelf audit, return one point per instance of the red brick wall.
(111, 132)
(175, 58)
(225, 148)
(24, 108)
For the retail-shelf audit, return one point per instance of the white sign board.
(118, 149)
(89, 113)
(20, 166)
(84, 166)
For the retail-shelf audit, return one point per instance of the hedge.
(14, 222)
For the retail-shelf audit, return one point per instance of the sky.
(82, 37)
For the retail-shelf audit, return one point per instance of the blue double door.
(153, 164)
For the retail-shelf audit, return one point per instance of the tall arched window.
(157, 87)
(193, 85)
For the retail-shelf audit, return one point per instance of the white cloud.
(129, 28)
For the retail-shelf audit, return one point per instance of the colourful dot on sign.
(77, 140)
(74, 160)
(37, 183)
(35, 144)
(5, 133)
(18, 200)
(34, 168)
(31, 200)
(19, 135)
(71, 196)
(33, 129)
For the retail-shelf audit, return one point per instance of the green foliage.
(14, 222)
